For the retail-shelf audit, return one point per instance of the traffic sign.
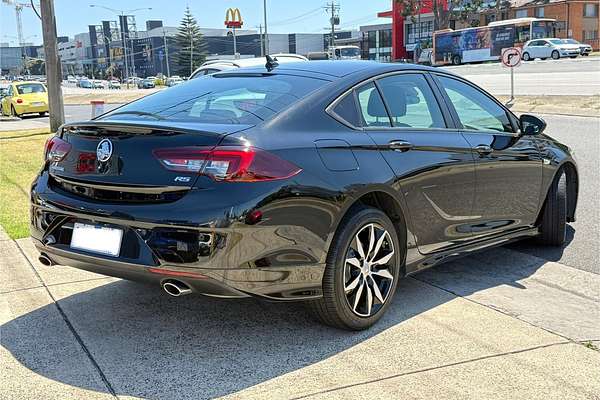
(511, 57)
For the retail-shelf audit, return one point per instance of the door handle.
(400, 145)
(483, 149)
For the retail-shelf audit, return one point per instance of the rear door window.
(411, 102)
(346, 109)
(372, 110)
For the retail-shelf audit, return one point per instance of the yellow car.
(25, 98)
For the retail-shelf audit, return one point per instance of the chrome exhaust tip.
(176, 289)
(45, 260)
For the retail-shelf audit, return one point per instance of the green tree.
(190, 45)
(458, 10)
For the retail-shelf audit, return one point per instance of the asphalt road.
(72, 113)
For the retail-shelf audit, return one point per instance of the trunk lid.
(119, 154)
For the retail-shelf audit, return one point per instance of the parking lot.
(516, 322)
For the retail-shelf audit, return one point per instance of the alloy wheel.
(368, 270)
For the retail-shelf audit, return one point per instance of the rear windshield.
(221, 99)
(27, 88)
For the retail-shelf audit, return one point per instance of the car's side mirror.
(531, 125)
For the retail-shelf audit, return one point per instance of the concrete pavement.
(497, 325)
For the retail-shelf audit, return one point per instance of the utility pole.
(166, 53)
(333, 20)
(262, 43)
(266, 32)
(53, 73)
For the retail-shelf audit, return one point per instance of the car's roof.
(26, 82)
(341, 68)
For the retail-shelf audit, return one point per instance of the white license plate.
(97, 239)
(37, 103)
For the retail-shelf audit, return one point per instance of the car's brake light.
(19, 101)
(56, 149)
(227, 163)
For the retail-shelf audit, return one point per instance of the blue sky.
(73, 16)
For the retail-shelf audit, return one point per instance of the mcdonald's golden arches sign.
(233, 18)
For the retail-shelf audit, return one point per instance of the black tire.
(573, 56)
(13, 112)
(543, 59)
(554, 215)
(555, 55)
(526, 56)
(456, 60)
(42, 114)
(334, 307)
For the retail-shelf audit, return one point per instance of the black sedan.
(324, 182)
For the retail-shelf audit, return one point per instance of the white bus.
(485, 43)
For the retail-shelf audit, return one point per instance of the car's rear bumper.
(201, 283)
(30, 109)
(224, 257)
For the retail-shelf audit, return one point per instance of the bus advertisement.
(486, 43)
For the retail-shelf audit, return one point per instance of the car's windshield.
(221, 98)
(570, 41)
(27, 88)
(350, 52)
(556, 41)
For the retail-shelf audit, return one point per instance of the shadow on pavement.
(546, 252)
(153, 346)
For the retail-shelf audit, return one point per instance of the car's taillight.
(56, 149)
(19, 101)
(227, 163)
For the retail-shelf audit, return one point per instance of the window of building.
(521, 13)
(385, 38)
(590, 35)
(590, 10)
(372, 38)
(539, 12)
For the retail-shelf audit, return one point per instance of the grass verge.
(20, 160)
